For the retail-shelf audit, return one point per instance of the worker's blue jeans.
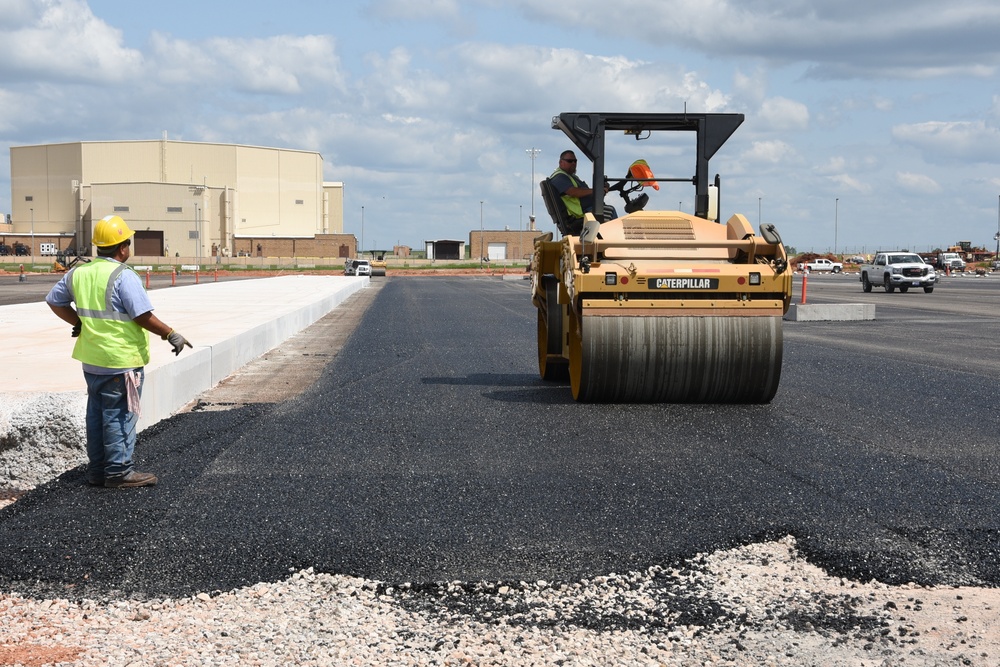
(111, 426)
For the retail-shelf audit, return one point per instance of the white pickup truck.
(824, 264)
(898, 269)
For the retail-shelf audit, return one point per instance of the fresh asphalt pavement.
(429, 450)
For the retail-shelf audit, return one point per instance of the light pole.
(32, 233)
(532, 152)
(482, 241)
(520, 217)
(836, 215)
(997, 237)
(758, 211)
(362, 232)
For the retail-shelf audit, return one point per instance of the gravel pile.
(41, 436)
(757, 605)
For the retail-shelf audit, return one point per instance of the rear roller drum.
(664, 359)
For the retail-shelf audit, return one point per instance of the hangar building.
(182, 198)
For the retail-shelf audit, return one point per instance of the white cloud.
(842, 38)
(770, 152)
(18, 13)
(519, 79)
(282, 65)
(62, 40)
(407, 10)
(919, 184)
(848, 182)
(943, 141)
(782, 114)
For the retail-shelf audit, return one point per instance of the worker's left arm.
(135, 300)
(153, 324)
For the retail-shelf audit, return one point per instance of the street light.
(532, 152)
(758, 211)
(482, 241)
(836, 213)
(520, 218)
(362, 231)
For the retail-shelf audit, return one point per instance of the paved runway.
(429, 450)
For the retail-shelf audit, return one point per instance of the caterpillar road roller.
(658, 306)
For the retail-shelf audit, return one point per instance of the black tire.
(904, 288)
(836, 269)
(887, 285)
(866, 284)
(551, 365)
(928, 290)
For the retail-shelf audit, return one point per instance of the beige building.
(182, 198)
(497, 245)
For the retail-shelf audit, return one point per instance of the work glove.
(177, 341)
(76, 330)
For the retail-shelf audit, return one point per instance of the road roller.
(658, 306)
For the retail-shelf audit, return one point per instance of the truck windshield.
(905, 259)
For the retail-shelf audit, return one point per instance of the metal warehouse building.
(182, 198)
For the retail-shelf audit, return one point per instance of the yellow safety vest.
(573, 205)
(108, 339)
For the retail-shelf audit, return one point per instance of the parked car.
(362, 267)
(823, 264)
(901, 270)
(950, 260)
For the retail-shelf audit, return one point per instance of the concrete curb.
(838, 312)
(229, 324)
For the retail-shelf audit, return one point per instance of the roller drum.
(675, 359)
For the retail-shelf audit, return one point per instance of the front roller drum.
(674, 359)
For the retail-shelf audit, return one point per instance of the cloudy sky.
(867, 123)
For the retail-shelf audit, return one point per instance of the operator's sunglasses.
(566, 160)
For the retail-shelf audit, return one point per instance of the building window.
(300, 201)
(121, 209)
(175, 209)
(29, 198)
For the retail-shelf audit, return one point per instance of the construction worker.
(110, 322)
(570, 188)
(576, 195)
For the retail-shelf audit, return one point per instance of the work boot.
(128, 480)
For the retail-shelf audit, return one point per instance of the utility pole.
(482, 240)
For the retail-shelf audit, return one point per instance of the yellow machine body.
(662, 306)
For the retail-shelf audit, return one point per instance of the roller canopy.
(587, 130)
